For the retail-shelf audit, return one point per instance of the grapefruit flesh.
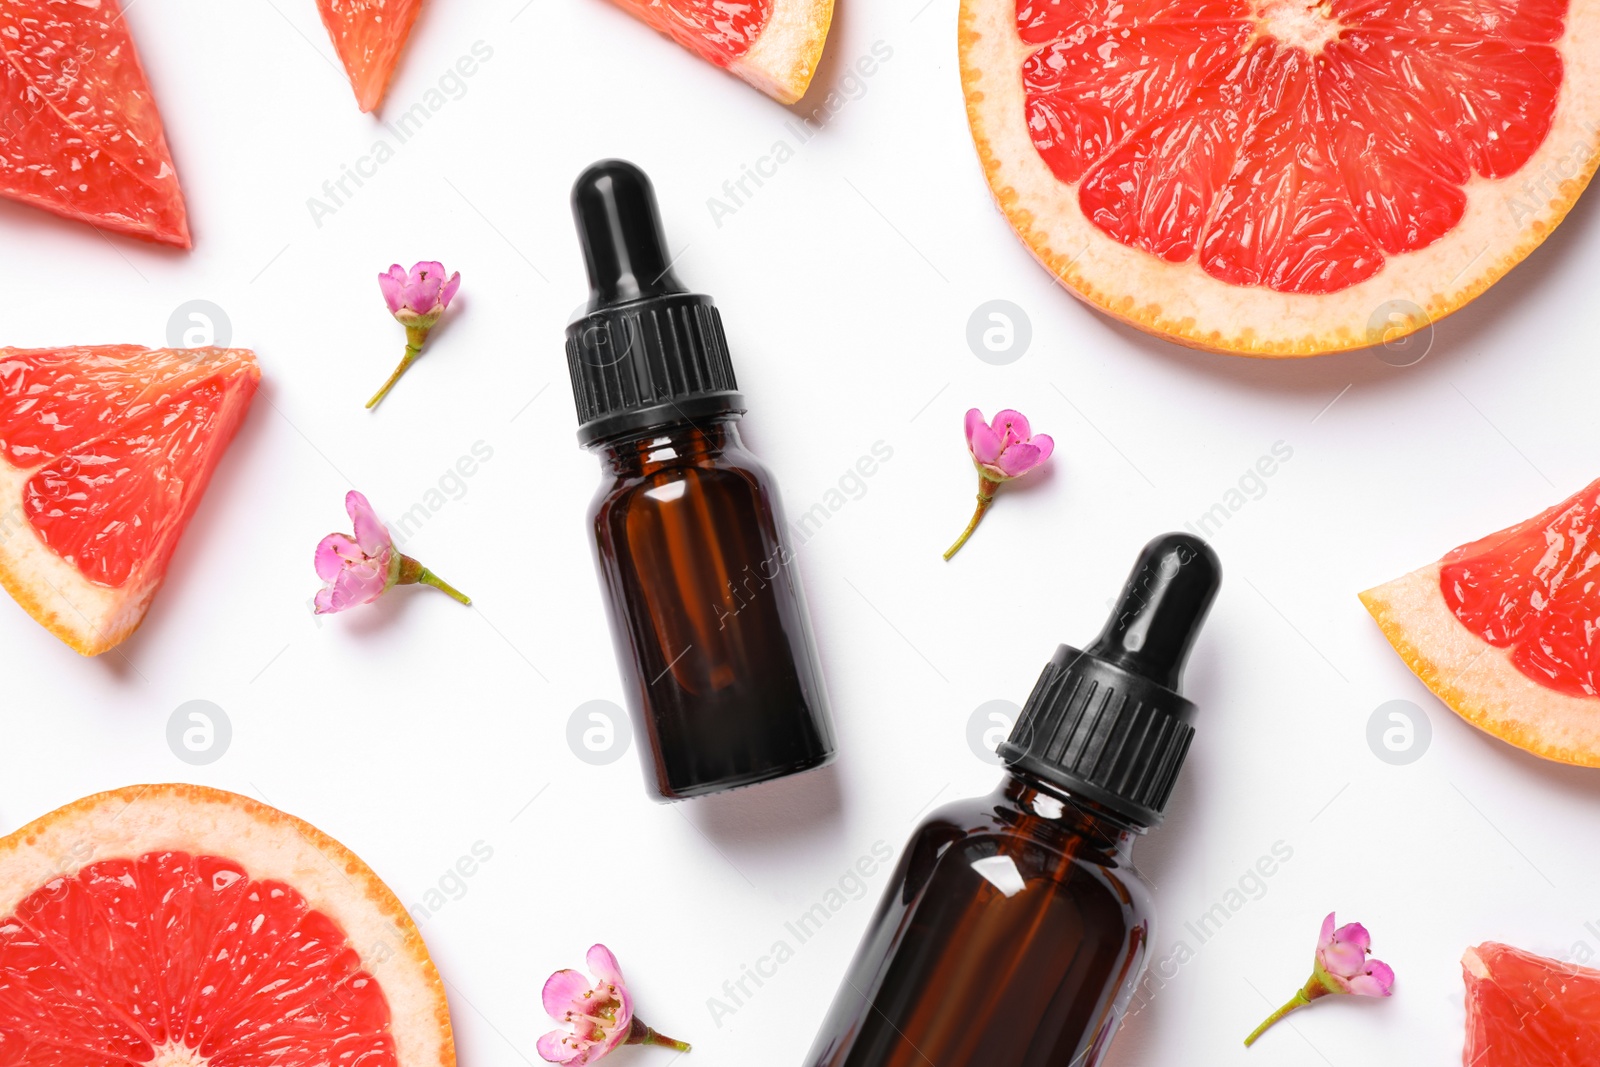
(79, 131)
(1282, 177)
(1527, 1011)
(1506, 629)
(369, 36)
(104, 454)
(774, 45)
(180, 926)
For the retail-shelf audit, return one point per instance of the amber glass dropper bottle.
(694, 556)
(1015, 930)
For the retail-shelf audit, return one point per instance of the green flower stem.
(1299, 1000)
(640, 1034)
(986, 489)
(414, 573)
(415, 336)
(427, 577)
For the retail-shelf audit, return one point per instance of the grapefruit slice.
(1282, 177)
(1506, 630)
(1527, 1011)
(79, 131)
(774, 45)
(180, 926)
(369, 36)
(104, 454)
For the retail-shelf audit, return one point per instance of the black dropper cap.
(1107, 724)
(647, 352)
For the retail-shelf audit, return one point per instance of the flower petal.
(423, 287)
(563, 992)
(982, 441)
(1010, 424)
(1343, 960)
(603, 965)
(1377, 981)
(449, 292)
(1353, 934)
(358, 584)
(1325, 938)
(1018, 459)
(555, 1048)
(371, 534)
(334, 552)
(392, 283)
(1044, 443)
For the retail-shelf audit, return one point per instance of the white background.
(416, 728)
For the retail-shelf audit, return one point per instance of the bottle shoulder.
(666, 474)
(1041, 841)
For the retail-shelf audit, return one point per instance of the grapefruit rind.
(1505, 219)
(268, 844)
(88, 617)
(1477, 680)
(784, 58)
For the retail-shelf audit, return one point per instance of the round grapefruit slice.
(1527, 1011)
(1506, 630)
(369, 36)
(180, 926)
(774, 45)
(104, 455)
(1282, 177)
(79, 131)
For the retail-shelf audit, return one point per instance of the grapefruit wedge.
(180, 926)
(774, 45)
(104, 454)
(1527, 1011)
(1282, 177)
(79, 131)
(369, 36)
(1506, 630)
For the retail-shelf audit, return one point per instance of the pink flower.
(1006, 448)
(1002, 450)
(1342, 962)
(598, 1015)
(417, 300)
(418, 297)
(1342, 966)
(362, 568)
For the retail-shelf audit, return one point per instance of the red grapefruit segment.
(1267, 176)
(178, 925)
(1506, 629)
(369, 36)
(80, 134)
(774, 45)
(1527, 1011)
(104, 455)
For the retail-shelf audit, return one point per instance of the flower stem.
(986, 488)
(640, 1034)
(1298, 1000)
(427, 577)
(415, 338)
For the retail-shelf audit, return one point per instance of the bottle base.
(742, 781)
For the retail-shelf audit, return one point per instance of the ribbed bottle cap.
(1108, 723)
(647, 352)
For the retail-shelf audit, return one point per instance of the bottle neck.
(671, 445)
(1069, 815)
